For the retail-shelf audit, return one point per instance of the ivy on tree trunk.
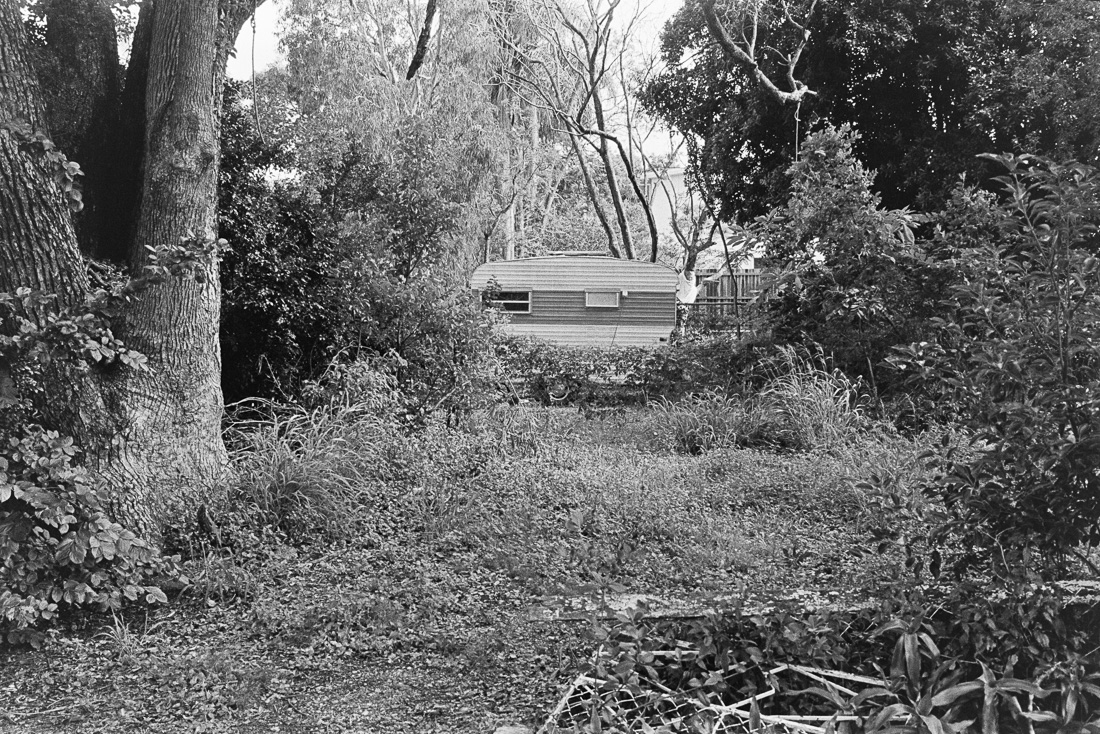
(153, 434)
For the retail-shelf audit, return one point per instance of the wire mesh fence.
(646, 706)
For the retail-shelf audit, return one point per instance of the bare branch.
(423, 40)
(793, 62)
(744, 54)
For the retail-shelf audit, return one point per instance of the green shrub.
(363, 257)
(553, 373)
(366, 383)
(615, 375)
(279, 324)
(59, 549)
(1017, 358)
(854, 277)
(716, 362)
(428, 330)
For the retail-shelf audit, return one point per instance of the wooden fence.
(717, 306)
(724, 294)
(723, 302)
(744, 285)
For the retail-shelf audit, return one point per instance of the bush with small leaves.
(854, 276)
(553, 373)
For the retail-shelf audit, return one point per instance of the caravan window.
(513, 301)
(601, 299)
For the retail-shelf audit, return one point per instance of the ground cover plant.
(405, 578)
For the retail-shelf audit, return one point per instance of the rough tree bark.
(128, 145)
(153, 434)
(37, 242)
(171, 413)
(78, 71)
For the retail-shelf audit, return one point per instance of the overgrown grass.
(803, 405)
(311, 472)
(698, 423)
(819, 407)
(364, 549)
(559, 500)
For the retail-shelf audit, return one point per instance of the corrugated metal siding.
(646, 313)
(575, 274)
(592, 335)
(637, 308)
(641, 318)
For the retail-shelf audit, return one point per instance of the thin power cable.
(797, 120)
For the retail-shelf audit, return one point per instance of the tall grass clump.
(698, 423)
(817, 407)
(313, 471)
(802, 405)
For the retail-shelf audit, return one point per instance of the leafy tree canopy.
(929, 85)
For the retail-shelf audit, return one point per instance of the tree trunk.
(651, 224)
(612, 179)
(155, 435)
(169, 454)
(507, 183)
(422, 41)
(78, 71)
(38, 244)
(123, 186)
(689, 283)
(594, 197)
(38, 248)
(526, 220)
(507, 192)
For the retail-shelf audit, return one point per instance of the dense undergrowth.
(353, 540)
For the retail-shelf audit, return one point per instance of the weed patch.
(421, 557)
(802, 405)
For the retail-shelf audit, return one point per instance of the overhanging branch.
(744, 54)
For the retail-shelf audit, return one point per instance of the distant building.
(583, 300)
(667, 194)
(664, 198)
